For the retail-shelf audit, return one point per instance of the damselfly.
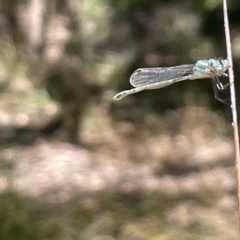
(154, 78)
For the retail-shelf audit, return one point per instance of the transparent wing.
(145, 76)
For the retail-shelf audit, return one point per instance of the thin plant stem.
(233, 101)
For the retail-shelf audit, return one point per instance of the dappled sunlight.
(190, 183)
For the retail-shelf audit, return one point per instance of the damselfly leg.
(217, 87)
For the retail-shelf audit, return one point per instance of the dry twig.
(233, 101)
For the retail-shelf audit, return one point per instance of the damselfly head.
(219, 65)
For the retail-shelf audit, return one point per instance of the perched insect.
(154, 78)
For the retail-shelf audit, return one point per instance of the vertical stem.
(233, 102)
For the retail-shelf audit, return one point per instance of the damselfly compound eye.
(211, 61)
